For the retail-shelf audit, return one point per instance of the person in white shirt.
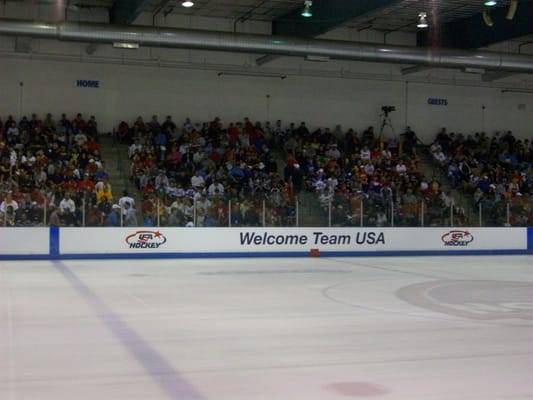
(216, 188)
(161, 180)
(126, 198)
(67, 209)
(440, 156)
(81, 139)
(135, 146)
(365, 153)
(28, 159)
(8, 201)
(401, 168)
(197, 181)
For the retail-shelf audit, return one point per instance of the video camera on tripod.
(386, 119)
(387, 109)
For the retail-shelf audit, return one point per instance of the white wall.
(127, 91)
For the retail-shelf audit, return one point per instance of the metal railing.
(338, 210)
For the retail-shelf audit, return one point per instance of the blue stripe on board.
(530, 239)
(54, 241)
(118, 256)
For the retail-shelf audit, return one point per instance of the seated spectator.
(93, 216)
(103, 190)
(197, 181)
(8, 202)
(80, 139)
(67, 210)
(215, 189)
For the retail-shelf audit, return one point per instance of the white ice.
(268, 328)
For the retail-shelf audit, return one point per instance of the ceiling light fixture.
(187, 3)
(422, 20)
(252, 74)
(124, 45)
(490, 3)
(306, 12)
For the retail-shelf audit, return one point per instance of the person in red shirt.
(86, 184)
(92, 146)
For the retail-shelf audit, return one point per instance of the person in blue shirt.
(113, 219)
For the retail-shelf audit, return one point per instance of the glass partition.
(358, 209)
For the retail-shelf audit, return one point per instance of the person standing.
(130, 215)
(113, 219)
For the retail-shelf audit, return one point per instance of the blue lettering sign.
(87, 83)
(437, 102)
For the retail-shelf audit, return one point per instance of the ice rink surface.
(407, 328)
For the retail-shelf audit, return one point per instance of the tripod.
(386, 121)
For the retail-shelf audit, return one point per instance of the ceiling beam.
(473, 32)
(317, 49)
(124, 12)
(327, 15)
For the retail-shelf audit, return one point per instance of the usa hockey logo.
(145, 240)
(473, 299)
(457, 238)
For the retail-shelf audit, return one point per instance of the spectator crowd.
(246, 173)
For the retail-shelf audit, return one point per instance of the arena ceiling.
(453, 24)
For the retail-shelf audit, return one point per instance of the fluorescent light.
(311, 57)
(422, 20)
(490, 3)
(517, 91)
(253, 74)
(470, 70)
(306, 12)
(122, 45)
(187, 4)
